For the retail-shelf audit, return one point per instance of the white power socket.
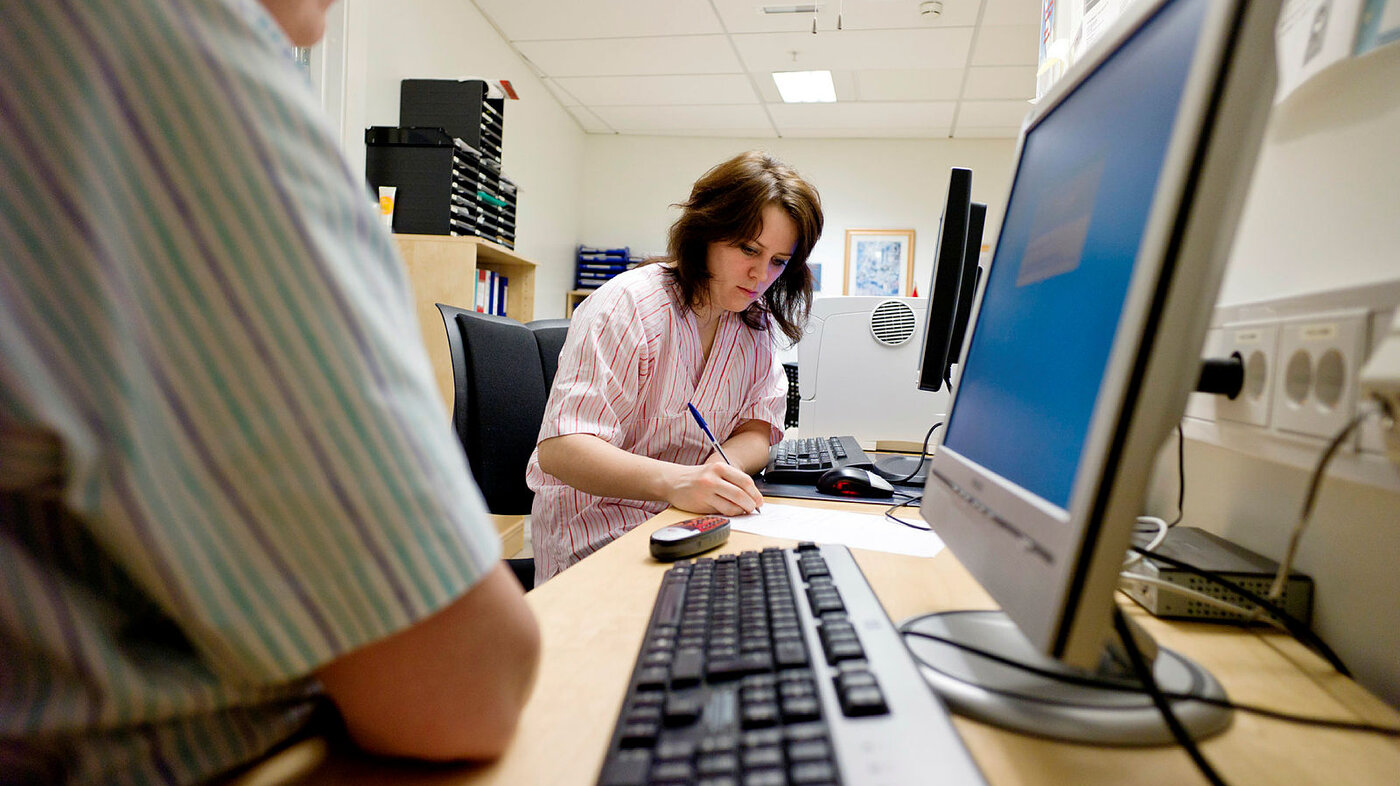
(1257, 345)
(1380, 378)
(1317, 372)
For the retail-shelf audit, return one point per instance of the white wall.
(543, 151)
(1324, 209)
(1322, 214)
(631, 182)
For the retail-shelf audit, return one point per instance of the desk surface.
(593, 616)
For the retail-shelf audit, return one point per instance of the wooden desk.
(594, 614)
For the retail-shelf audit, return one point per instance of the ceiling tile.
(1012, 12)
(992, 113)
(660, 90)
(744, 16)
(1007, 45)
(589, 121)
(867, 132)
(911, 119)
(855, 50)
(536, 20)
(560, 94)
(1000, 82)
(987, 132)
(937, 84)
(704, 54)
(740, 120)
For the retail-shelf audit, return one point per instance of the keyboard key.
(628, 768)
(687, 668)
(813, 772)
(717, 764)
(810, 750)
(863, 701)
(683, 709)
(672, 772)
(675, 748)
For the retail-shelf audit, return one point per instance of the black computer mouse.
(851, 481)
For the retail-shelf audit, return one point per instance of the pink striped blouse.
(630, 364)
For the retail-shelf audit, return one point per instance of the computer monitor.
(949, 301)
(1128, 182)
(944, 289)
(967, 288)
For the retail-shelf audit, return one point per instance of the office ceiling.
(703, 67)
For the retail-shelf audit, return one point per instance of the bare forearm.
(747, 447)
(596, 467)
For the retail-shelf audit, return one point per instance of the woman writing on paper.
(698, 326)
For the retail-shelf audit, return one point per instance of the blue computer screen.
(1059, 278)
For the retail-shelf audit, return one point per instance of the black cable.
(1144, 674)
(1180, 477)
(1293, 625)
(1320, 471)
(889, 513)
(1124, 687)
(923, 454)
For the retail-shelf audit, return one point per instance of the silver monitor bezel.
(1053, 570)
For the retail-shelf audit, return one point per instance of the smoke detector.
(930, 8)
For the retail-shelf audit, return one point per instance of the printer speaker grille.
(892, 323)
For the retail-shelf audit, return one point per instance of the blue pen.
(705, 428)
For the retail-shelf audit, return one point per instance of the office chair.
(502, 370)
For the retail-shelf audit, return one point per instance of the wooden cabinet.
(572, 298)
(443, 270)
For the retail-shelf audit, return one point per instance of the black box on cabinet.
(462, 108)
(418, 162)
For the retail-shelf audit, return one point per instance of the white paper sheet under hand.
(856, 530)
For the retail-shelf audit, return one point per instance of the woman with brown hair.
(618, 443)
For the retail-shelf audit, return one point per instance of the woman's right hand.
(714, 487)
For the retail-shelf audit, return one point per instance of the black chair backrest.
(550, 334)
(497, 367)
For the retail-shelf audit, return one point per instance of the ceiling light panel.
(805, 87)
(539, 20)
(704, 54)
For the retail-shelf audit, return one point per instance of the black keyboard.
(778, 667)
(805, 459)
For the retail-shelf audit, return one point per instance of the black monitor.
(967, 288)
(950, 295)
(944, 295)
(1129, 177)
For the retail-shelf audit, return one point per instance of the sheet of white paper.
(856, 530)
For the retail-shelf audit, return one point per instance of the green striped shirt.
(223, 461)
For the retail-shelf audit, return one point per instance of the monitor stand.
(896, 469)
(1012, 698)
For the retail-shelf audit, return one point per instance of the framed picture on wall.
(879, 262)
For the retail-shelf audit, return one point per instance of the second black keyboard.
(805, 459)
(778, 667)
